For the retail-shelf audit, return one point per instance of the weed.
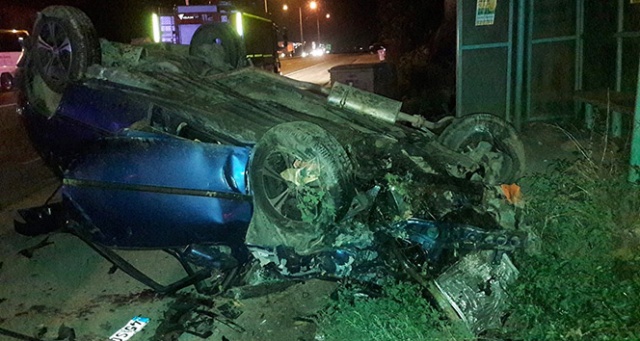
(584, 281)
(313, 202)
(401, 313)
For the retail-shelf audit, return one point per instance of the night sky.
(352, 23)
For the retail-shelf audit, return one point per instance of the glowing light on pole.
(239, 24)
(155, 24)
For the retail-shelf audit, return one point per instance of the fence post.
(634, 161)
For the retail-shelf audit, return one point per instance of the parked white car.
(10, 54)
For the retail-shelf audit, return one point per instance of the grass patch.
(401, 313)
(584, 280)
(581, 283)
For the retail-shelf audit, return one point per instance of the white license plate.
(125, 333)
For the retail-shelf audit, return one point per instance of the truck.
(247, 38)
(10, 55)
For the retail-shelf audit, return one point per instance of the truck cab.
(257, 36)
(10, 54)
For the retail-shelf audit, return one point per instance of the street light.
(313, 5)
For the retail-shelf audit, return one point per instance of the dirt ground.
(66, 283)
(48, 282)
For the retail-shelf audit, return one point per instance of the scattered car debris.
(196, 317)
(475, 289)
(66, 333)
(244, 176)
(28, 252)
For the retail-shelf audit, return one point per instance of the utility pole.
(318, 24)
(300, 15)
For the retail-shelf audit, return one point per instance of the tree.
(419, 36)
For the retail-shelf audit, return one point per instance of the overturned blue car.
(230, 168)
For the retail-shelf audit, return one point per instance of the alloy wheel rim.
(54, 53)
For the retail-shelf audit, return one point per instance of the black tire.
(6, 81)
(219, 34)
(316, 196)
(465, 134)
(65, 43)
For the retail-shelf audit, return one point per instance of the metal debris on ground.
(195, 316)
(28, 252)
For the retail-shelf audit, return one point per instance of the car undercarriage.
(245, 176)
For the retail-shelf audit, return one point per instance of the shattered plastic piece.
(420, 162)
(475, 290)
(359, 236)
(130, 329)
(230, 310)
(504, 213)
(512, 193)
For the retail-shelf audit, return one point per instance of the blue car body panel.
(85, 114)
(141, 188)
(151, 192)
(102, 108)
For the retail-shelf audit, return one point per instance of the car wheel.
(490, 141)
(301, 177)
(222, 35)
(6, 81)
(65, 44)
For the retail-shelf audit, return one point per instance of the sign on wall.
(486, 12)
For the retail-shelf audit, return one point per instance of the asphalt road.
(21, 170)
(316, 69)
(7, 99)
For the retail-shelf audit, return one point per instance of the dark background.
(419, 35)
(352, 23)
